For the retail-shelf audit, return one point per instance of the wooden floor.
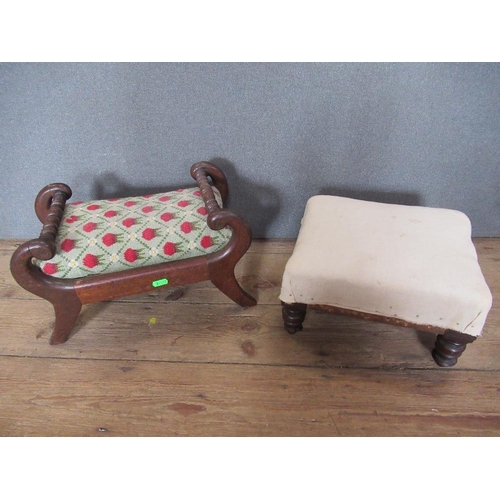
(189, 362)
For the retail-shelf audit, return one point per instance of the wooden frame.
(68, 295)
(449, 344)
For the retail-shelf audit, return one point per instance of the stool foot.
(449, 347)
(226, 282)
(67, 311)
(293, 316)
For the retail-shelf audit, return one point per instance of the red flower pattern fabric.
(107, 236)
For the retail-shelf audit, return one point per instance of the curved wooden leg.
(226, 282)
(450, 346)
(60, 293)
(293, 316)
(66, 310)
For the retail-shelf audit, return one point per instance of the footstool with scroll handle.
(102, 250)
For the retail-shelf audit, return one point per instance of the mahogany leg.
(226, 282)
(293, 316)
(450, 346)
(66, 310)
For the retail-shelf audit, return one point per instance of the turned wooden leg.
(227, 284)
(450, 346)
(293, 316)
(66, 310)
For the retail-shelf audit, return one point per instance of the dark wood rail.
(49, 207)
(199, 172)
(45, 198)
(222, 263)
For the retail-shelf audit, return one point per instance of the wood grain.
(121, 398)
(201, 366)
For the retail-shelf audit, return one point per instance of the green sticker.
(161, 282)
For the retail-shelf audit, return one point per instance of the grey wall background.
(417, 133)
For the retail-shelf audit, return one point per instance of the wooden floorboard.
(189, 362)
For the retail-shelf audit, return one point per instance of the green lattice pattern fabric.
(106, 236)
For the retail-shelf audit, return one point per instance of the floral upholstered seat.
(106, 236)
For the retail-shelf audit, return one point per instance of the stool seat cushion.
(105, 236)
(417, 264)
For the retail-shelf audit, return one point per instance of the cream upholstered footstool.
(404, 265)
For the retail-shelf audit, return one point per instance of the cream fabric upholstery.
(414, 263)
